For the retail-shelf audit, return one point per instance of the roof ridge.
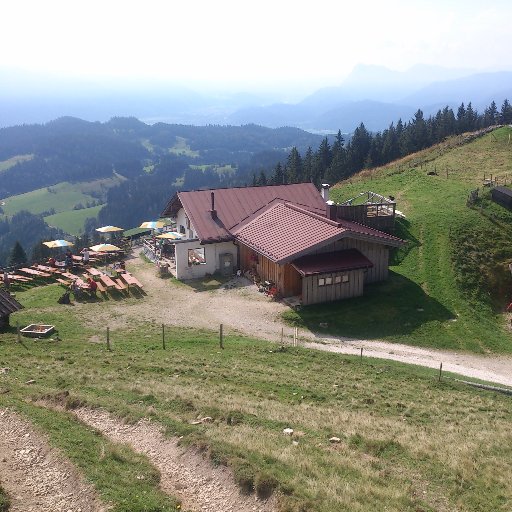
(313, 215)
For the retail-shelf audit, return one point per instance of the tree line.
(333, 162)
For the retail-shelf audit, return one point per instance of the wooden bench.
(101, 288)
(107, 281)
(63, 281)
(119, 285)
(34, 273)
(131, 280)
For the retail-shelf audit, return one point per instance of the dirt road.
(244, 310)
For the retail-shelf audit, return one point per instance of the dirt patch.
(37, 477)
(242, 309)
(185, 473)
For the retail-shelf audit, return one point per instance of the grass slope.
(440, 292)
(72, 221)
(61, 197)
(11, 162)
(407, 441)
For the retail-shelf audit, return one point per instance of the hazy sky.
(250, 44)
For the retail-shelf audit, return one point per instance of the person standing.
(85, 256)
(69, 259)
(7, 281)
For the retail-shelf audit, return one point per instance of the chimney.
(332, 210)
(213, 211)
(325, 191)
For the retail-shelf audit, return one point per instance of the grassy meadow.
(11, 162)
(407, 442)
(72, 221)
(449, 285)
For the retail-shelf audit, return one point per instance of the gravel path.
(185, 474)
(36, 477)
(244, 310)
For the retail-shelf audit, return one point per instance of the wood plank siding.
(287, 279)
(330, 287)
(378, 254)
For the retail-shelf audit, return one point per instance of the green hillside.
(61, 197)
(449, 285)
(405, 441)
(72, 221)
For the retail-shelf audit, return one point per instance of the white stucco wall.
(182, 220)
(212, 254)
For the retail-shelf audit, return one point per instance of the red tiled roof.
(236, 205)
(285, 232)
(324, 263)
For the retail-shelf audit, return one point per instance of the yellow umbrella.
(105, 248)
(154, 224)
(58, 243)
(108, 229)
(170, 235)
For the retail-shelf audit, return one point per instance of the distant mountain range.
(373, 95)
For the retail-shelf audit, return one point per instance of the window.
(345, 279)
(328, 280)
(337, 280)
(321, 281)
(196, 257)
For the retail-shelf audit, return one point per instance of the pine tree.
(262, 179)
(18, 255)
(506, 113)
(40, 252)
(293, 169)
(278, 178)
(307, 165)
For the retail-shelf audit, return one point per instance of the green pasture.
(61, 197)
(11, 162)
(181, 147)
(72, 221)
(407, 442)
(449, 285)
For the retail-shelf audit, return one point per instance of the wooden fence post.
(361, 354)
(282, 334)
(440, 371)
(163, 336)
(221, 338)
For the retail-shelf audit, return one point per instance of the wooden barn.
(503, 196)
(8, 305)
(284, 234)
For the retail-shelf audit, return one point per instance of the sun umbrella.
(154, 224)
(108, 229)
(58, 243)
(170, 235)
(105, 248)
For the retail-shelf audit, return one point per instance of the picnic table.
(94, 272)
(130, 280)
(33, 272)
(21, 279)
(44, 268)
(107, 281)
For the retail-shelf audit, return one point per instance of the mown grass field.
(61, 197)
(72, 221)
(11, 162)
(448, 287)
(407, 441)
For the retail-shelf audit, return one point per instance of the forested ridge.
(331, 163)
(160, 159)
